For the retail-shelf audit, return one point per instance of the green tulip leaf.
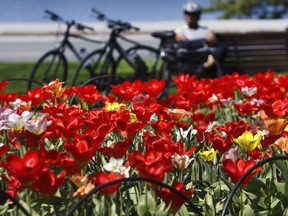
(146, 205)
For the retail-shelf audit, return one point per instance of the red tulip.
(101, 178)
(128, 90)
(119, 150)
(37, 95)
(201, 119)
(5, 97)
(282, 81)
(220, 143)
(82, 151)
(134, 127)
(13, 185)
(144, 112)
(32, 140)
(3, 84)
(236, 129)
(238, 169)
(66, 120)
(25, 169)
(88, 93)
(47, 182)
(154, 87)
(3, 149)
(245, 109)
(70, 166)
(173, 199)
(69, 92)
(53, 156)
(150, 165)
(280, 107)
(163, 127)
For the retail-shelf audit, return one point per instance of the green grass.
(15, 70)
(21, 70)
(18, 73)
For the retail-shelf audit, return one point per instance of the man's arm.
(180, 37)
(211, 37)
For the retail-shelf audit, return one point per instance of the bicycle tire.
(147, 60)
(91, 66)
(50, 66)
(165, 72)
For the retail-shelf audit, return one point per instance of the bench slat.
(255, 69)
(254, 52)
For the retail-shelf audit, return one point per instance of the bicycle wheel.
(92, 66)
(50, 66)
(147, 61)
(165, 72)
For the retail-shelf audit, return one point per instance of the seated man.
(191, 31)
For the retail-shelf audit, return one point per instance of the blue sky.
(127, 10)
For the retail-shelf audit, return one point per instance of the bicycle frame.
(112, 46)
(65, 42)
(117, 27)
(53, 63)
(107, 60)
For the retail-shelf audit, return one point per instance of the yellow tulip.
(114, 106)
(133, 116)
(247, 141)
(208, 155)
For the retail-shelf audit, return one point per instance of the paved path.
(30, 48)
(27, 42)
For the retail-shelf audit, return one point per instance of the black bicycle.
(53, 64)
(112, 63)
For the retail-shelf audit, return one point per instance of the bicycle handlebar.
(55, 17)
(115, 24)
(83, 27)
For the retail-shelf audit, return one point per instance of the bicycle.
(53, 64)
(102, 66)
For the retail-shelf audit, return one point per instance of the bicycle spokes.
(52, 68)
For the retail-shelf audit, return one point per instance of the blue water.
(125, 10)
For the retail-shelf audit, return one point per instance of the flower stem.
(181, 176)
(241, 202)
(23, 147)
(146, 195)
(5, 137)
(28, 201)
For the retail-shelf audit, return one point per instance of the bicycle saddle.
(164, 34)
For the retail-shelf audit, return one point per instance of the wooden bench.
(254, 52)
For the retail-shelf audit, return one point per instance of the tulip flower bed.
(178, 155)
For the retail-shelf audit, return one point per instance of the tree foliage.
(260, 9)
